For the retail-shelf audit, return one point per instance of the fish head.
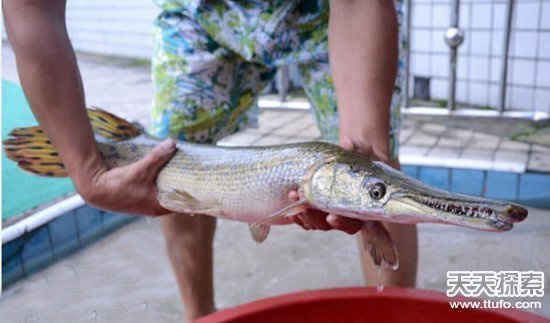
(362, 189)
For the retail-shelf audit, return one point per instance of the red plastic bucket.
(364, 304)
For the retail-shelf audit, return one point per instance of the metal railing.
(454, 36)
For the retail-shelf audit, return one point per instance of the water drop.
(145, 307)
(379, 284)
(94, 316)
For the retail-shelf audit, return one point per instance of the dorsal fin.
(112, 127)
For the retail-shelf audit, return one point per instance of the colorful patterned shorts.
(212, 59)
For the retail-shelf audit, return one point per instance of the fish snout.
(515, 213)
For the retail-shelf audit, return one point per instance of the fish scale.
(248, 184)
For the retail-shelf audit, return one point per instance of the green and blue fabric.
(212, 59)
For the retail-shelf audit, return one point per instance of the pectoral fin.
(292, 209)
(183, 202)
(377, 241)
(260, 229)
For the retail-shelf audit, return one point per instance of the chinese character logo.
(495, 283)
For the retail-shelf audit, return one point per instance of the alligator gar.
(251, 184)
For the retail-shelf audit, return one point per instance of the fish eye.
(377, 190)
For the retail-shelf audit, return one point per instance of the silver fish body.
(250, 184)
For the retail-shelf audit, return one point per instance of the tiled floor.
(424, 144)
(126, 276)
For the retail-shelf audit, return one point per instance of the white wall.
(479, 57)
(119, 28)
(113, 28)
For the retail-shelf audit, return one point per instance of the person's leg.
(405, 236)
(189, 241)
(202, 91)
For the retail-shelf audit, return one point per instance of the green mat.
(22, 191)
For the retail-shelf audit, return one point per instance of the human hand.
(129, 189)
(319, 220)
(363, 147)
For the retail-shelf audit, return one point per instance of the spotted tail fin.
(33, 152)
(31, 149)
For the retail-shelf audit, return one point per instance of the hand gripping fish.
(251, 184)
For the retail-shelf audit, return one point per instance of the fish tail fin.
(111, 127)
(31, 149)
